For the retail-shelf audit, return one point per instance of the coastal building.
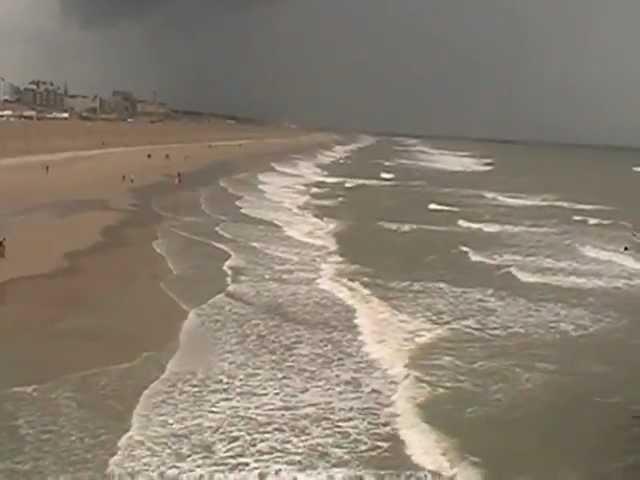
(42, 94)
(85, 104)
(8, 91)
(124, 104)
(78, 103)
(152, 109)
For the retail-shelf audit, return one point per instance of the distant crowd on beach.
(130, 178)
(124, 179)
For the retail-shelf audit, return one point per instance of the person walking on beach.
(46, 169)
(3, 248)
(124, 178)
(178, 178)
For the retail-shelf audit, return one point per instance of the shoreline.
(31, 200)
(69, 294)
(74, 253)
(97, 325)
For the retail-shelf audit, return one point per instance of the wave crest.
(499, 228)
(521, 200)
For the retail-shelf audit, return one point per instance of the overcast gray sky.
(556, 70)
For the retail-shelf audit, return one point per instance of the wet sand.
(80, 287)
(85, 325)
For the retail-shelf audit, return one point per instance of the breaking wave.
(259, 402)
(591, 220)
(436, 207)
(570, 273)
(498, 228)
(410, 227)
(422, 155)
(603, 255)
(569, 281)
(519, 200)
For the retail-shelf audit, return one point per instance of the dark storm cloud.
(112, 12)
(109, 12)
(559, 70)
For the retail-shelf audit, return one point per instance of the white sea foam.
(369, 182)
(308, 374)
(188, 248)
(636, 169)
(484, 312)
(399, 227)
(591, 220)
(43, 414)
(535, 262)
(287, 385)
(160, 246)
(569, 273)
(309, 168)
(423, 440)
(285, 195)
(406, 141)
(442, 208)
(439, 151)
(389, 347)
(450, 163)
(478, 257)
(604, 255)
(387, 175)
(388, 336)
(410, 227)
(499, 228)
(519, 200)
(422, 155)
(570, 281)
(327, 202)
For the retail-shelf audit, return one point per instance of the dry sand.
(80, 287)
(32, 138)
(86, 172)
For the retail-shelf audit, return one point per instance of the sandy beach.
(81, 297)
(80, 285)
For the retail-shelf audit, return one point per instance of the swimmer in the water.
(625, 249)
